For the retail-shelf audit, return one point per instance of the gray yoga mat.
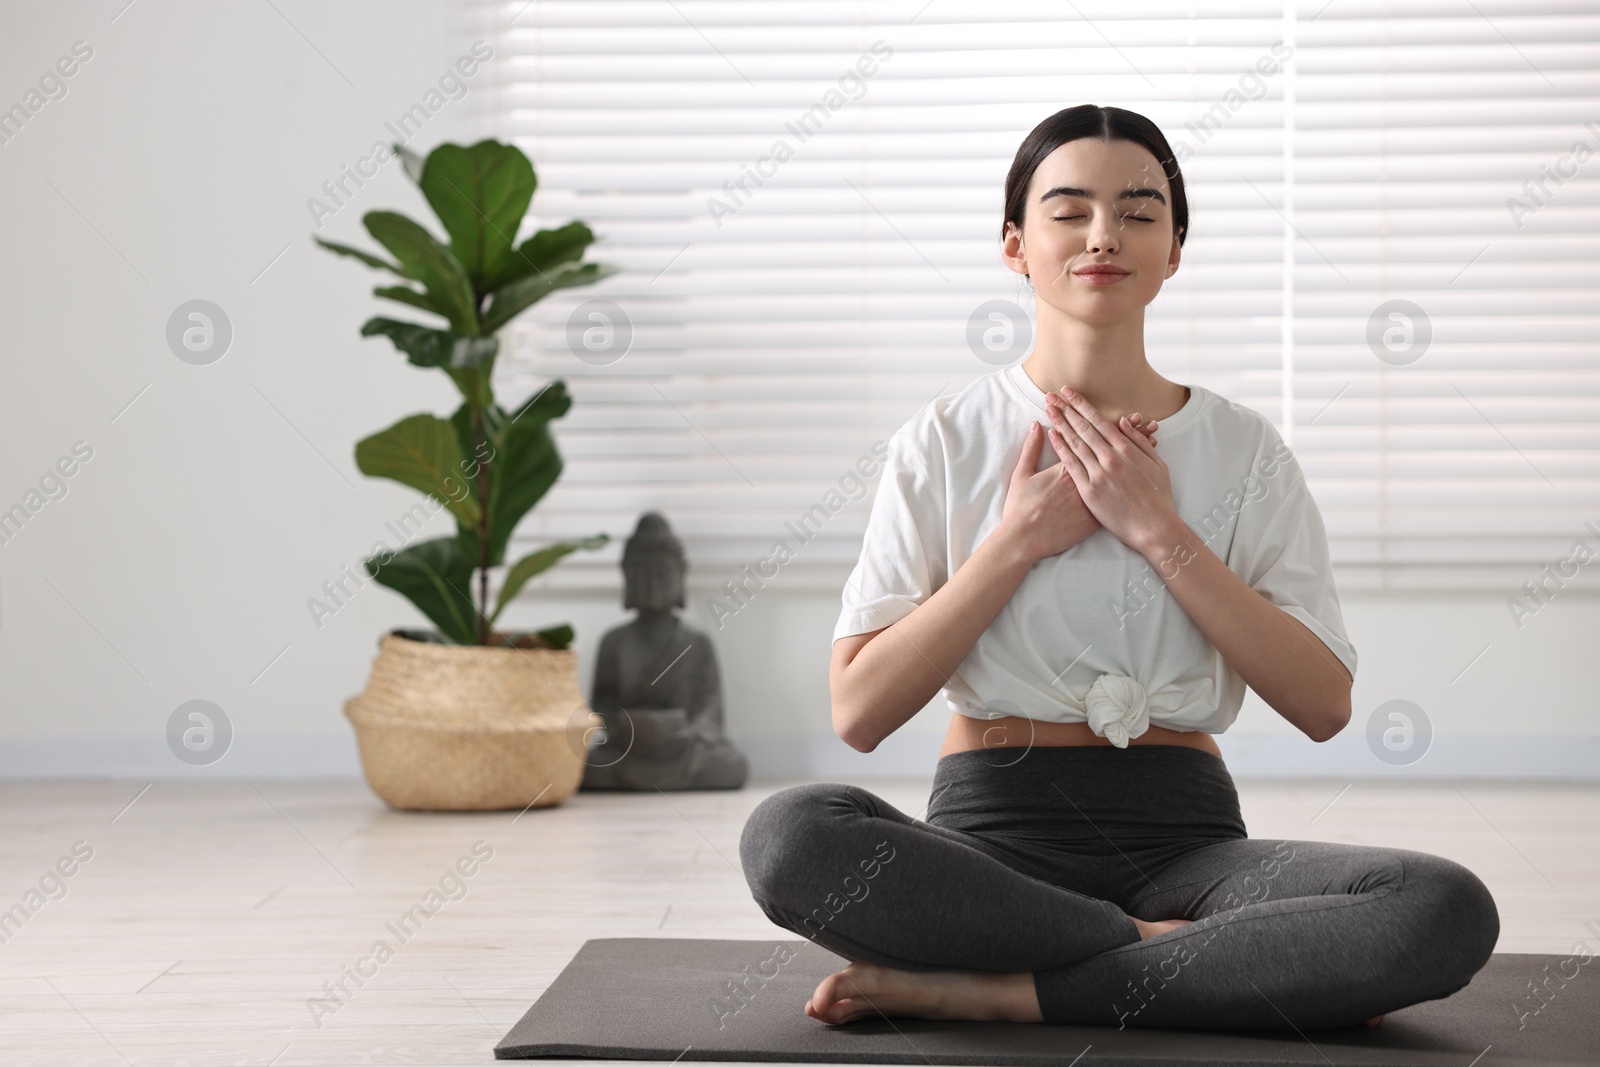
(640, 998)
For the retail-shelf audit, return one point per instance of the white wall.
(188, 146)
(178, 564)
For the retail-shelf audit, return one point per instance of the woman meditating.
(1093, 602)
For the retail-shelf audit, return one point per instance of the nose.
(1102, 242)
(1103, 234)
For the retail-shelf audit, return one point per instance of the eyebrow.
(1127, 194)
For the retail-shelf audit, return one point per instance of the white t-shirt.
(1092, 634)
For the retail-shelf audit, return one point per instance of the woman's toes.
(823, 997)
(836, 1012)
(836, 995)
(848, 1010)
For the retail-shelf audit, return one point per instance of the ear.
(1012, 252)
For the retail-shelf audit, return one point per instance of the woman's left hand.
(1122, 481)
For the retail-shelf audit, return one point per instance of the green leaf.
(434, 577)
(480, 194)
(551, 402)
(544, 251)
(513, 299)
(412, 162)
(473, 382)
(369, 260)
(406, 295)
(428, 347)
(558, 636)
(521, 459)
(426, 260)
(423, 452)
(536, 563)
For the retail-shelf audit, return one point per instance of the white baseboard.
(909, 755)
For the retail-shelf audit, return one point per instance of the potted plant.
(468, 718)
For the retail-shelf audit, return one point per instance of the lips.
(1100, 275)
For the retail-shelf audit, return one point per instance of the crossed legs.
(1281, 934)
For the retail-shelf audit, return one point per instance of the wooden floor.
(205, 923)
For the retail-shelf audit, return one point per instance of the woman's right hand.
(1042, 508)
(877, 684)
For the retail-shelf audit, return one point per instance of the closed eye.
(1069, 218)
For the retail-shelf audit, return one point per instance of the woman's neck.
(1106, 363)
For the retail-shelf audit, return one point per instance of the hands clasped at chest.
(1110, 475)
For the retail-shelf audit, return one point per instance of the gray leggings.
(1034, 864)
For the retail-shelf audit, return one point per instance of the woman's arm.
(1127, 486)
(1273, 652)
(878, 680)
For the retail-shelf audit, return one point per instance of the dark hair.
(1091, 120)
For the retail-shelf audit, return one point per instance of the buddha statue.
(656, 683)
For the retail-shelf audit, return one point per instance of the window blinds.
(1393, 256)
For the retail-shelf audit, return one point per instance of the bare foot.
(1153, 929)
(869, 989)
(1374, 1021)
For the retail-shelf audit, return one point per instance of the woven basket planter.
(471, 728)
